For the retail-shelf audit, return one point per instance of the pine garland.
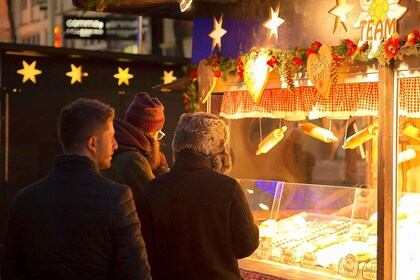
(288, 63)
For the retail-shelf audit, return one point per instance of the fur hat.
(145, 113)
(206, 134)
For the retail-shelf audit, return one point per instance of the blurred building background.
(43, 22)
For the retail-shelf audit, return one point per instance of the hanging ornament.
(334, 72)
(411, 131)
(29, 71)
(168, 77)
(319, 66)
(217, 33)
(123, 76)
(362, 136)
(206, 80)
(273, 22)
(406, 155)
(256, 72)
(76, 74)
(317, 132)
(376, 15)
(271, 140)
(287, 74)
(340, 11)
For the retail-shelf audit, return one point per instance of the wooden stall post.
(387, 175)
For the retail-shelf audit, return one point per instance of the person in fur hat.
(138, 158)
(196, 221)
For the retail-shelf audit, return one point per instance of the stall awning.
(344, 100)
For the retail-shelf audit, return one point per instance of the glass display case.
(327, 232)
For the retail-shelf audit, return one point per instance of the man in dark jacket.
(196, 221)
(74, 223)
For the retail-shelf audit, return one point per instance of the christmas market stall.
(322, 104)
(321, 99)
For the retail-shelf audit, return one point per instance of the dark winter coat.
(196, 222)
(74, 224)
(130, 167)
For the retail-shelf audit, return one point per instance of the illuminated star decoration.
(168, 77)
(340, 11)
(123, 76)
(217, 33)
(76, 74)
(29, 72)
(273, 22)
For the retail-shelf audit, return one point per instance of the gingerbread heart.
(319, 66)
(206, 80)
(256, 74)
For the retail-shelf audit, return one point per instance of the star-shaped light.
(340, 11)
(217, 33)
(29, 71)
(273, 22)
(123, 76)
(168, 77)
(76, 74)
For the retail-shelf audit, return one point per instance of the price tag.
(348, 266)
(369, 270)
(275, 254)
(264, 250)
(287, 256)
(308, 260)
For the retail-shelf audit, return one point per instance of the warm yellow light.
(76, 74)
(250, 191)
(29, 71)
(271, 140)
(123, 76)
(317, 132)
(184, 5)
(406, 155)
(263, 206)
(362, 136)
(411, 131)
(168, 77)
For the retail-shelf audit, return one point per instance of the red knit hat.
(145, 113)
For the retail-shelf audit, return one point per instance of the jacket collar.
(74, 162)
(191, 161)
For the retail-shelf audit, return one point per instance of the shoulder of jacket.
(115, 189)
(132, 154)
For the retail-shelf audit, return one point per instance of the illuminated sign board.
(111, 28)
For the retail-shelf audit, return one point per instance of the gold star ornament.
(217, 33)
(123, 76)
(29, 72)
(168, 77)
(340, 11)
(76, 74)
(273, 22)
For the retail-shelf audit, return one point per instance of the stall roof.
(171, 8)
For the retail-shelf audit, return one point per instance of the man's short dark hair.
(79, 120)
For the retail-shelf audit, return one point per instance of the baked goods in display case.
(329, 231)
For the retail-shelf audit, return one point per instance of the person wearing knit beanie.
(195, 219)
(145, 113)
(138, 158)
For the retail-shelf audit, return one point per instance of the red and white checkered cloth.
(344, 100)
(410, 97)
